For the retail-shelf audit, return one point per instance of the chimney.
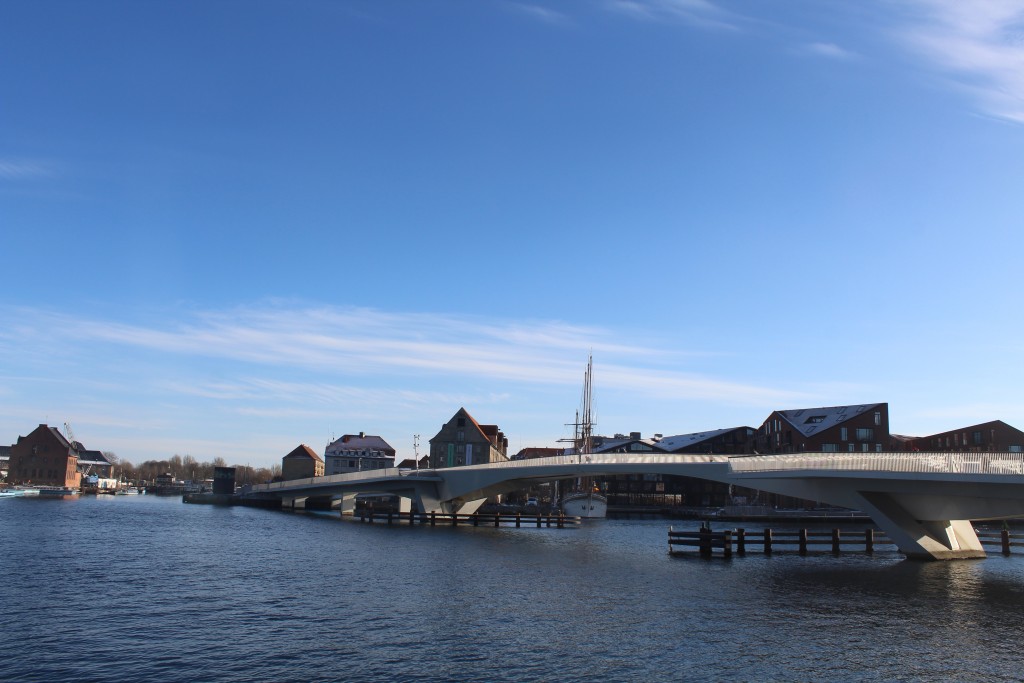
(361, 434)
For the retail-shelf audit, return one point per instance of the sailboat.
(586, 500)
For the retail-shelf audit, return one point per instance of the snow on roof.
(810, 420)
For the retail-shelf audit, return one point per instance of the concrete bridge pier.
(922, 539)
(345, 503)
(293, 503)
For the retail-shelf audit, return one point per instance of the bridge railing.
(611, 459)
(362, 475)
(921, 463)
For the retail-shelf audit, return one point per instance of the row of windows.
(850, 447)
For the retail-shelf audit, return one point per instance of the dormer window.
(814, 419)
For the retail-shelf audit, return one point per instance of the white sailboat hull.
(586, 505)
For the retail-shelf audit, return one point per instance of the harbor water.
(144, 588)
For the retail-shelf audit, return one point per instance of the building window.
(828, 448)
(1015, 448)
(814, 419)
(844, 434)
(865, 434)
(461, 422)
(850, 447)
(878, 448)
(878, 418)
(460, 436)
(864, 447)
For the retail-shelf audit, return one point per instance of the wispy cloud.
(980, 45)
(543, 14)
(829, 50)
(354, 342)
(699, 13)
(22, 169)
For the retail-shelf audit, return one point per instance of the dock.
(517, 520)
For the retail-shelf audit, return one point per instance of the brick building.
(857, 428)
(302, 463)
(46, 458)
(994, 436)
(464, 441)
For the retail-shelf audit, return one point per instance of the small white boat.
(129, 491)
(586, 505)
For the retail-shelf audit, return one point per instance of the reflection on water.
(159, 590)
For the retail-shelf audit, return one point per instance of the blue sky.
(230, 227)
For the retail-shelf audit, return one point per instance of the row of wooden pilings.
(476, 519)
(707, 541)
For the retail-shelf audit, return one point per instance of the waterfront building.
(358, 452)
(731, 441)
(994, 436)
(46, 458)
(5, 460)
(658, 489)
(536, 452)
(464, 441)
(93, 463)
(846, 429)
(621, 443)
(302, 463)
(411, 464)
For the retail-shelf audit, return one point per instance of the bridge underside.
(927, 516)
(926, 519)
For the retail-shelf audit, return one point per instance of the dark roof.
(304, 451)
(810, 420)
(671, 443)
(358, 442)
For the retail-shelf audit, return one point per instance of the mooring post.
(803, 541)
(389, 517)
(1005, 538)
(412, 517)
(727, 543)
(497, 519)
(705, 541)
(869, 541)
(767, 541)
(518, 519)
(433, 517)
(476, 519)
(835, 540)
(741, 541)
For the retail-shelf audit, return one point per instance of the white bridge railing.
(941, 463)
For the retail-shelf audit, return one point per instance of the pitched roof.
(357, 442)
(672, 443)
(304, 451)
(810, 420)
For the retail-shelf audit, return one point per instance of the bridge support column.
(404, 505)
(346, 503)
(462, 507)
(293, 503)
(922, 539)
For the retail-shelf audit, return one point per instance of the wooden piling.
(803, 541)
(835, 541)
(433, 517)
(741, 541)
(1004, 537)
(869, 541)
(767, 541)
(518, 519)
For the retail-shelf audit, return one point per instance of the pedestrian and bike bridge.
(925, 502)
